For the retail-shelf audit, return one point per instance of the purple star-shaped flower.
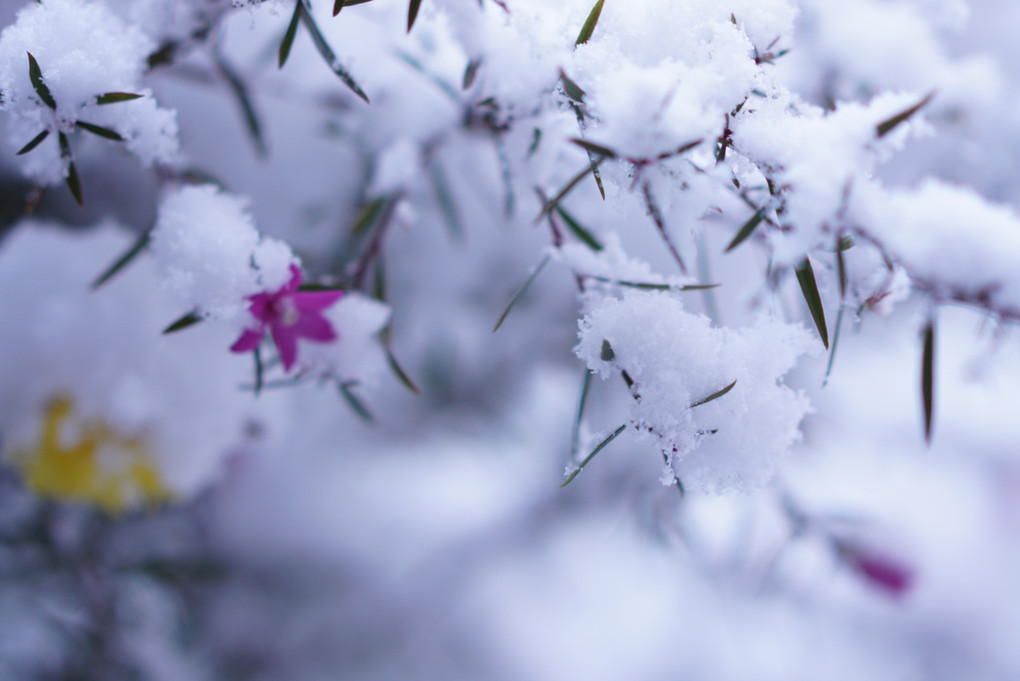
(288, 314)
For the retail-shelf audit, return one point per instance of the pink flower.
(288, 314)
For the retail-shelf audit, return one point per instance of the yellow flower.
(95, 464)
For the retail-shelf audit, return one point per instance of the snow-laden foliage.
(250, 385)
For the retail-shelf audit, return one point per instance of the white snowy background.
(434, 541)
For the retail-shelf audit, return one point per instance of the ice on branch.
(87, 59)
(212, 256)
(95, 405)
(675, 362)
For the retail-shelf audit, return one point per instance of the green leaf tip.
(35, 75)
(412, 13)
(100, 131)
(521, 291)
(607, 354)
(289, 35)
(747, 229)
(889, 124)
(928, 378)
(714, 396)
(589, 24)
(599, 448)
(190, 319)
(809, 287)
(36, 141)
(116, 97)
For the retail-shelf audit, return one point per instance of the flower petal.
(248, 341)
(285, 338)
(295, 281)
(314, 326)
(260, 306)
(314, 301)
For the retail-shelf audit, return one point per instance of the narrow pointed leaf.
(240, 90)
(809, 287)
(888, 125)
(74, 184)
(572, 89)
(257, 355)
(589, 25)
(536, 138)
(36, 141)
(606, 354)
(184, 322)
(594, 148)
(290, 34)
(115, 97)
(398, 370)
(447, 205)
(521, 291)
(369, 214)
(100, 131)
(747, 229)
(412, 13)
(35, 75)
(553, 202)
(327, 52)
(471, 73)
(137, 247)
(575, 435)
(599, 448)
(578, 230)
(835, 344)
(356, 405)
(928, 378)
(714, 396)
(337, 6)
(841, 273)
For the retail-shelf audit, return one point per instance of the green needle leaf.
(714, 396)
(809, 287)
(841, 273)
(122, 262)
(36, 141)
(100, 131)
(471, 73)
(579, 231)
(595, 451)
(589, 25)
(572, 89)
(291, 33)
(412, 13)
(399, 372)
(353, 402)
(73, 183)
(553, 202)
(928, 378)
(593, 148)
(115, 97)
(327, 52)
(184, 322)
(747, 229)
(575, 435)
(35, 75)
(337, 6)
(887, 126)
(258, 370)
(240, 90)
(521, 291)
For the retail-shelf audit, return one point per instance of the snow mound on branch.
(213, 257)
(676, 360)
(83, 50)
